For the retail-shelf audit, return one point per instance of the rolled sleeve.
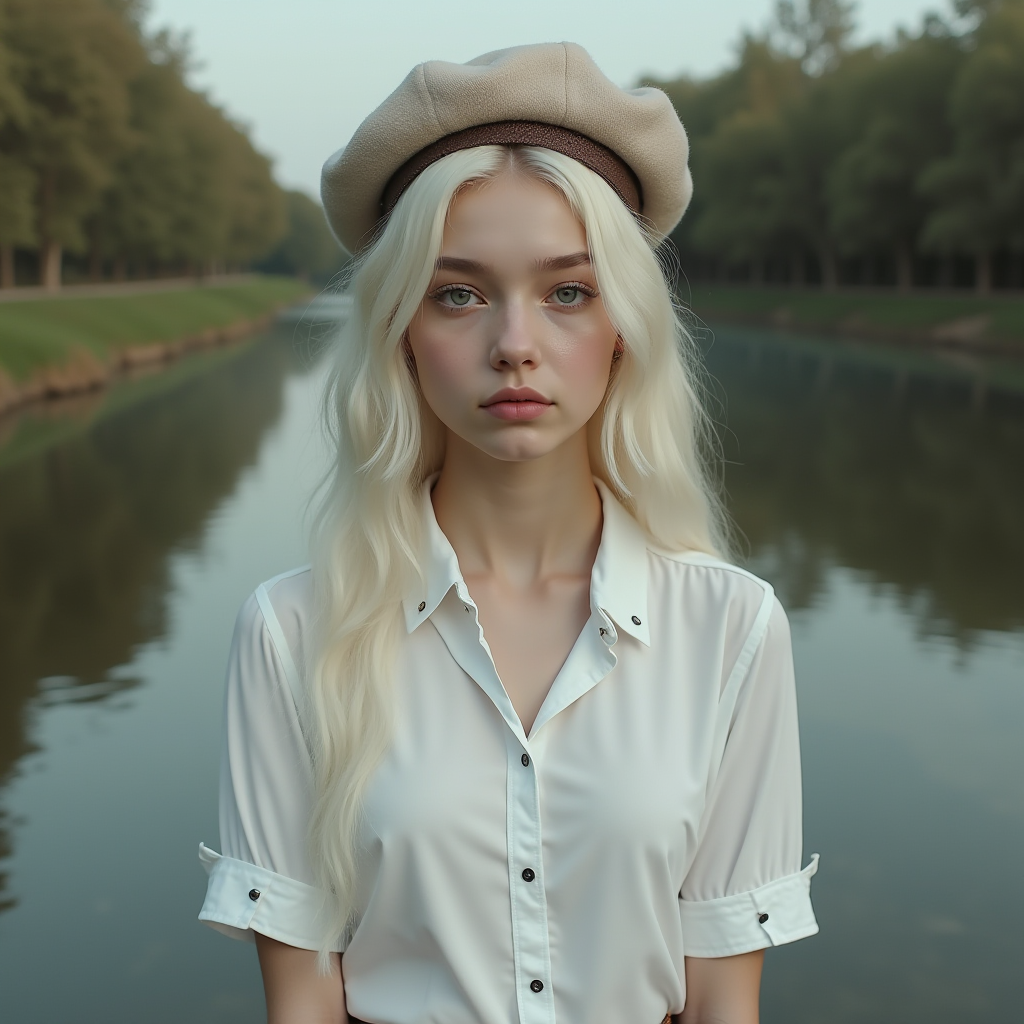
(242, 899)
(262, 881)
(745, 889)
(772, 915)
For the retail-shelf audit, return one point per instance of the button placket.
(526, 883)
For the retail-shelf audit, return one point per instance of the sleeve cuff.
(242, 899)
(772, 915)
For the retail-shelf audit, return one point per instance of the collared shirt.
(652, 812)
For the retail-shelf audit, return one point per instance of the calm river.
(882, 493)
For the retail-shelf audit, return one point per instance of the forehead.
(514, 215)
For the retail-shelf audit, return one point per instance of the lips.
(517, 404)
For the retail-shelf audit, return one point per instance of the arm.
(296, 992)
(723, 990)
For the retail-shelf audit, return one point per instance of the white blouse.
(653, 811)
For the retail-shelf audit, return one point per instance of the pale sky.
(302, 74)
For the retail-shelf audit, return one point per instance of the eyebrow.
(574, 259)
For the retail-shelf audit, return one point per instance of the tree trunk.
(798, 270)
(49, 248)
(757, 271)
(120, 268)
(50, 254)
(983, 272)
(904, 268)
(6, 266)
(829, 271)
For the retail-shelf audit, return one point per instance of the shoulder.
(712, 577)
(725, 599)
(288, 597)
(276, 618)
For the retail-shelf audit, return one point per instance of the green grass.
(45, 332)
(912, 316)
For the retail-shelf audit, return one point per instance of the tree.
(874, 199)
(817, 32)
(308, 248)
(740, 168)
(255, 206)
(721, 115)
(978, 190)
(190, 190)
(815, 129)
(76, 59)
(16, 178)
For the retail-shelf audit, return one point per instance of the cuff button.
(254, 894)
(762, 918)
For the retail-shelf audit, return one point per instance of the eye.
(571, 294)
(456, 296)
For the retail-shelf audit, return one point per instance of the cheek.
(584, 362)
(444, 366)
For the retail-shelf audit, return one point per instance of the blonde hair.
(648, 443)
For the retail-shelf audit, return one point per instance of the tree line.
(902, 164)
(111, 164)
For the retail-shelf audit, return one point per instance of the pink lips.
(517, 404)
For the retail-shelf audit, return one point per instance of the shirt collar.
(618, 583)
(619, 580)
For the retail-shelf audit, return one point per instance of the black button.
(528, 875)
(636, 620)
(254, 894)
(423, 604)
(526, 760)
(537, 986)
(762, 918)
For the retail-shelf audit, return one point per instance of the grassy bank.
(970, 322)
(59, 346)
(47, 332)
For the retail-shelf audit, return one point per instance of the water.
(882, 494)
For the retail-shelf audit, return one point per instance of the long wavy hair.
(650, 442)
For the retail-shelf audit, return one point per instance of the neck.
(519, 521)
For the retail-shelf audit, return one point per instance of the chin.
(517, 449)
(518, 453)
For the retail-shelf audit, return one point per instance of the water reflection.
(885, 503)
(839, 459)
(87, 525)
(880, 492)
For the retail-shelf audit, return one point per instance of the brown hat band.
(600, 159)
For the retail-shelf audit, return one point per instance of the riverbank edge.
(83, 371)
(949, 323)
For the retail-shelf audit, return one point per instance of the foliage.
(807, 152)
(901, 111)
(105, 150)
(308, 248)
(978, 189)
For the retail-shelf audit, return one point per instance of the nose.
(515, 345)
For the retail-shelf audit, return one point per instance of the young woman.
(520, 746)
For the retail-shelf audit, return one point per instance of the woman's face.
(512, 343)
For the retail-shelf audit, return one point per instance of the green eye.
(460, 296)
(567, 295)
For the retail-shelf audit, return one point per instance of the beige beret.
(548, 84)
